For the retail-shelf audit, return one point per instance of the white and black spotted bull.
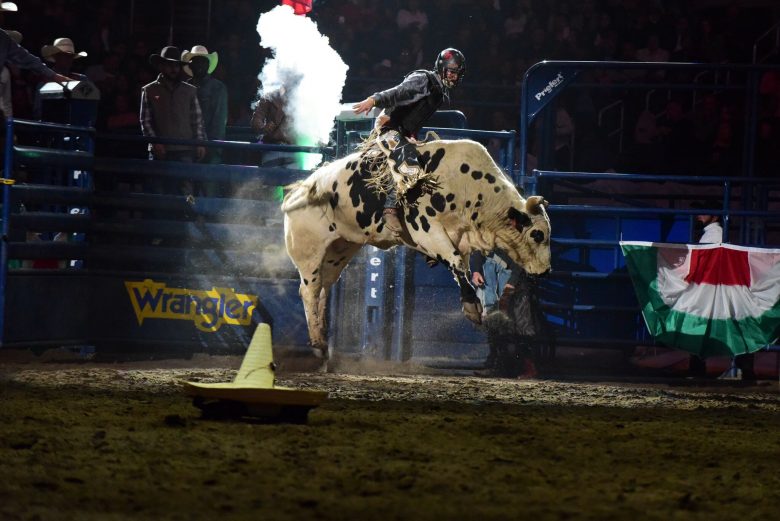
(334, 212)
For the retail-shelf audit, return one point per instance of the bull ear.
(521, 218)
(532, 205)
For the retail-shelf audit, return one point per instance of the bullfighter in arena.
(406, 107)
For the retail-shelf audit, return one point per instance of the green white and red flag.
(707, 299)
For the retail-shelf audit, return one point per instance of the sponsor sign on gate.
(208, 310)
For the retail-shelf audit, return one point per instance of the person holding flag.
(708, 299)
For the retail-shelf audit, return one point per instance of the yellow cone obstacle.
(252, 392)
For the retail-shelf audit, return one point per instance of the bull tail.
(296, 196)
(302, 193)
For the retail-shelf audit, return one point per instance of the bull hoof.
(473, 311)
(320, 351)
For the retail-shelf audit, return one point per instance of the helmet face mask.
(451, 60)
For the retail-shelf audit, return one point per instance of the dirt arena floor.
(121, 441)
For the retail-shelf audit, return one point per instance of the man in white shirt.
(712, 234)
(713, 231)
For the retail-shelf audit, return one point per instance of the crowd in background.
(382, 40)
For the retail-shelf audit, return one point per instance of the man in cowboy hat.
(212, 94)
(170, 108)
(708, 221)
(62, 54)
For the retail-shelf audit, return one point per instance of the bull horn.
(532, 205)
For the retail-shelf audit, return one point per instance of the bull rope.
(374, 159)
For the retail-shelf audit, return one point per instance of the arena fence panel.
(95, 257)
(602, 193)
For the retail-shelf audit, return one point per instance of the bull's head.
(530, 246)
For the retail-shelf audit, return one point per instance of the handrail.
(510, 136)
(214, 143)
(776, 29)
(725, 211)
(584, 208)
(52, 127)
(649, 177)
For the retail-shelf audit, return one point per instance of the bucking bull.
(473, 205)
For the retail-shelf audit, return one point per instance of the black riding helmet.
(451, 59)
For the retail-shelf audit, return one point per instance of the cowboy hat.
(16, 36)
(199, 50)
(168, 54)
(253, 391)
(707, 204)
(8, 6)
(61, 45)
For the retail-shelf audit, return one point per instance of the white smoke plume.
(300, 51)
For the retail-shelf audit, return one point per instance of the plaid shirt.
(213, 99)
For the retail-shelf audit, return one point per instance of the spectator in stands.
(712, 231)
(723, 155)
(61, 55)
(767, 145)
(416, 44)
(7, 7)
(412, 16)
(170, 109)
(123, 117)
(212, 95)
(652, 52)
(769, 88)
(706, 118)
(383, 75)
(104, 71)
(6, 96)
(682, 44)
(272, 125)
(643, 154)
(605, 43)
(708, 46)
(564, 133)
(675, 133)
(516, 20)
(109, 27)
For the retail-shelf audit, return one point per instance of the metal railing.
(610, 217)
(771, 34)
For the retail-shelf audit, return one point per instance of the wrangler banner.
(206, 309)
